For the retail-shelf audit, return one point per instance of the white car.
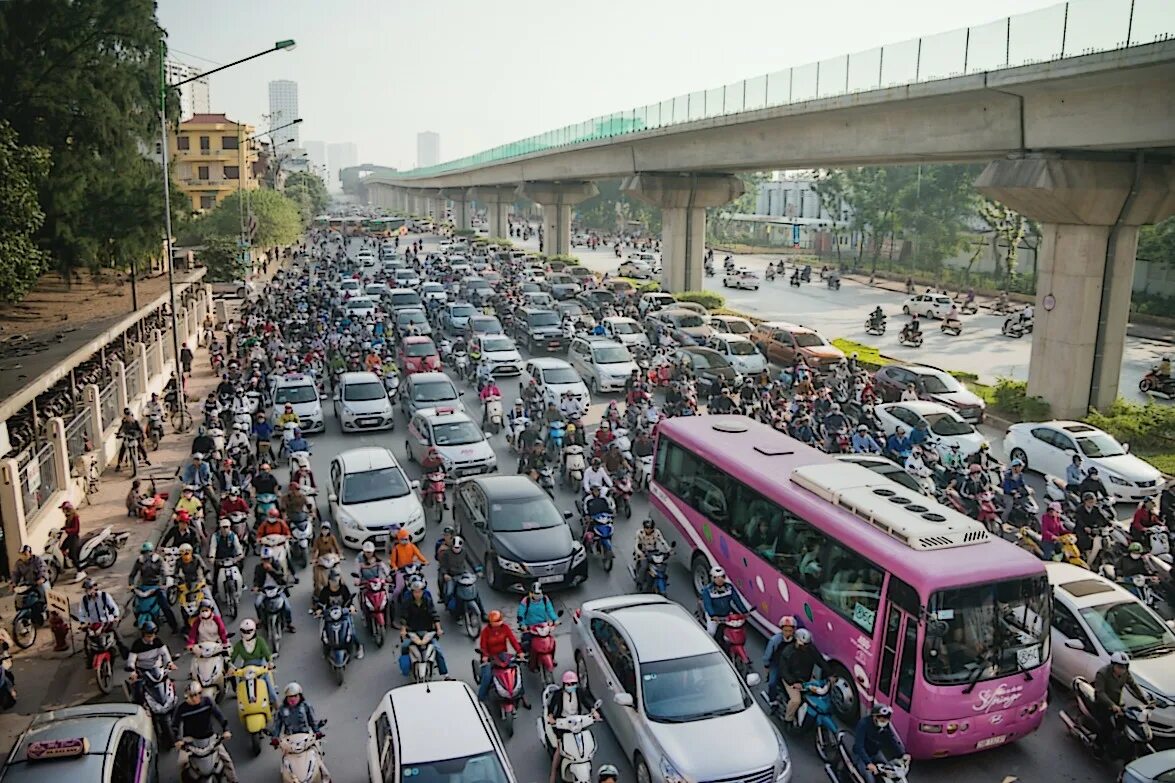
(554, 377)
(605, 364)
(299, 391)
(742, 354)
(1049, 446)
(454, 437)
(636, 269)
(625, 331)
(361, 403)
(350, 286)
(731, 324)
(369, 496)
(361, 306)
(406, 278)
(366, 260)
(929, 305)
(1092, 618)
(744, 279)
(946, 426)
(433, 291)
(378, 290)
(502, 354)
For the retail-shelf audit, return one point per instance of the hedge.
(866, 354)
(707, 299)
(641, 286)
(464, 232)
(566, 259)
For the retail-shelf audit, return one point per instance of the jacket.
(537, 612)
(1108, 688)
(404, 554)
(194, 629)
(870, 741)
(797, 662)
(299, 719)
(555, 706)
(776, 646)
(260, 652)
(99, 609)
(496, 639)
(719, 602)
(260, 573)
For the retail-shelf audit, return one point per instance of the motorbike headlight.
(511, 566)
(670, 773)
(1121, 482)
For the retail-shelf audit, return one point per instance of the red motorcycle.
(507, 682)
(734, 641)
(433, 498)
(373, 597)
(989, 515)
(622, 492)
(542, 651)
(100, 648)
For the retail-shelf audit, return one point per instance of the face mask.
(882, 723)
(569, 688)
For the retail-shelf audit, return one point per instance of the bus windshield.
(987, 631)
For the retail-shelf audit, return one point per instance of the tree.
(279, 221)
(935, 209)
(1156, 244)
(1010, 228)
(21, 261)
(610, 210)
(309, 192)
(224, 260)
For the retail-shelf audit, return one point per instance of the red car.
(418, 354)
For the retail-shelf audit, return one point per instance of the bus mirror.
(623, 699)
(936, 629)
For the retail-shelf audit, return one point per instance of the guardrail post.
(60, 453)
(118, 370)
(143, 370)
(157, 348)
(92, 397)
(12, 509)
(221, 312)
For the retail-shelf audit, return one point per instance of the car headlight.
(346, 520)
(784, 755)
(511, 566)
(415, 518)
(1119, 481)
(578, 554)
(670, 773)
(1162, 701)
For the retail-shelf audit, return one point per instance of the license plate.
(367, 422)
(546, 580)
(553, 344)
(991, 742)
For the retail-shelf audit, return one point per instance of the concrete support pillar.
(418, 207)
(60, 453)
(1090, 212)
(143, 371)
(498, 201)
(12, 509)
(118, 370)
(557, 199)
(683, 199)
(93, 403)
(462, 214)
(402, 201)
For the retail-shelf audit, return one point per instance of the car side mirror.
(332, 497)
(567, 515)
(623, 699)
(415, 484)
(1126, 447)
(753, 679)
(1075, 644)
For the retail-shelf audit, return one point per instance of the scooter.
(547, 480)
(1153, 383)
(229, 585)
(373, 599)
(598, 540)
(541, 652)
(1132, 734)
(98, 549)
(463, 603)
(833, 282)
(336, 639)
(734, 642)
(656, 576)
(302, 757)
(253, 707)
(1014, 327)
(287, 435)
(816, 712)
(208, 668)
(622, 493)
(204, 762)
(912, 339)
(322, 569)
(644, 472)
(574, 465)
(159, 699)
(422, 656)
(507, 688)
(265, 501)
(875, 327)
(493, 414)
(100, 650)
(841, 768)
(147, 604)
(953, 328)
(571, 736)
(433, 496)
(271, 615)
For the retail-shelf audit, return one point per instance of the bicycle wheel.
(181, 420)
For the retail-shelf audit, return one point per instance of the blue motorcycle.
(598, 540)
(816, 712)
(265, 501)
(656, 570)
(463, 602)
(556, 433)
(147, 604)
(337, 637)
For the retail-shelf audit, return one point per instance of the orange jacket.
(405, 554)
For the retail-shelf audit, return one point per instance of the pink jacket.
(194, 629)
(1051, 526)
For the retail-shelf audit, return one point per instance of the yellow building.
(211, 159)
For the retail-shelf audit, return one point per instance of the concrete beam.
(557, 199)
(462, 215)
(1090, 212)
(683, 199)
(498, 201)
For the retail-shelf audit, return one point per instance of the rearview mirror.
(415, 484)
(1075, 644)
(1126, 447)
(623, 699)
(753, 679)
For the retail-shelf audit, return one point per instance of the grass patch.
(707, 299)
(866, 354)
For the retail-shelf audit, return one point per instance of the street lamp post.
(164, 87)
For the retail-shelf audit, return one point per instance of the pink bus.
(916, 604)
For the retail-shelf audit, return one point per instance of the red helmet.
(274, 513)
(183, 516)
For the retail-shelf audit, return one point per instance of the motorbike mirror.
(415, 484)
(753, 679)
(559, 613)
(567, 515)
(1075, 644)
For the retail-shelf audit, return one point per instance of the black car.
(596, 299)
(709, 367)
(539, 329)
(514, 529)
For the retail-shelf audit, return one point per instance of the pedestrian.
(186, 357)
(72, 532)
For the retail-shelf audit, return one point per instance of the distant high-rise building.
(428, 149)
(338, 157)
(283, 109)
(195, 97)
(316, 153)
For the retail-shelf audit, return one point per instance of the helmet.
(224, 524)
(1054, 506)
(183, 516)
(648, 524)
(1087, 496)
(1120, 659)
(403, 535)
(495, 617)
(293, 689)
(518, 401)
(881, 711)
(194, 689)
(1135, 548)
(570, 678)
(248, 627)
(274, 513)
(458, 544)
(415, 583)
(88, 583)
(1017, 463)
(717, 572)
(803, 636)
(185, 549)
(147, 548)
(536, 589)
(607, 771)
(205, 604)
(149, 627)
(787, 621)
(368, 548)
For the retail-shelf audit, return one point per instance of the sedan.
(369, 495)
(478, 325)
(638, 270)
(455, 315)
(362, 306)
(1155, 768)
(433, 291)
(930, 383)
(406, 278)
(501, 352)
(929, 305)
(732, 324)
(411, 321)
(743, 279)
(946, 427)
(429, 390)
(1092, 618)
(461, 445)
(670, 695)
(1049, 446)
(709, 367)
(742, 354)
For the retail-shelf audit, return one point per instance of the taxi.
(454, 437)
(418, 354)
(93, 743)
(299, 390)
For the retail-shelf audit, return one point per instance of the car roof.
(1152, 765)
(451, 305)
(450, 415)
(728, 318)
(367, 458)
(414, 339)
(549, 363)
(667, 311)
(464, 732)
(787, 326)
(662, 631)
(707, 352)
(427, 377)
(727, 337)
(359, 377)
(921, 407)
(619, 319)
(293, 379)
(1082, 587)
(94, 723)
(506, 487)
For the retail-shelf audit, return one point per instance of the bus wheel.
(700, 569)
(846, 702)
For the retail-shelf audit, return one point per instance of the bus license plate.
(546, 580)
(991, 742)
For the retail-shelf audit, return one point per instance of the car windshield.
(461, 311)
(480, 768)
(946, 424)
(405, 274)
(987, 631)
(1100, 445)
(488, 325)
(474, 285)
(405, 317)
(602, 295)
(417, 350)
(349, 285)
(372, 485)
(493, 344)
(434, 391)
(560, 375)
(687, 320)
(808, 339)
(295, 394)
(571, 308)
(682, 690)
(404, 299)
(625, 327)
(611, 354)
(456, 433)
(360, 304)
(940, 384)
(432, 288)
(1129, 627)
(361, 392)
(544, 319)
(376, 289)
(742, 348)
(738, 327)
(513, 515)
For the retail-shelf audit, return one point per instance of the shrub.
(647, 287)
(1148, 427)
(500, 242)
(866, 354)
(964, 376)
(707, 299)
(1011, 397)
(464, 232)
(566, 259)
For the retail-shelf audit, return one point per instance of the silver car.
(671, 697)
(361, 403)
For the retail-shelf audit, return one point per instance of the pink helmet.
(570, 678)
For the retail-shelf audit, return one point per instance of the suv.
(454, 316)
(399, 298)
(539, 329)
(555, 377)
(684, 326)
(605, 364)
(596, 300)
(298, 390)
(781, 342)
(454, 437)
(361, 403)
(402, 748)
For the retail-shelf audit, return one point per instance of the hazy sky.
(374, 72)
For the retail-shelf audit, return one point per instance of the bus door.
(899, 665)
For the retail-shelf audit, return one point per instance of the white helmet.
(1120, 658)
(248, 627)
(194, 689)
(293, 689)
(458, 543)
(368, 548)
(717, 572)
(803, 636)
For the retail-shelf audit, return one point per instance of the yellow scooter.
(253, 707)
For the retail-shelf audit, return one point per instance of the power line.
(198, 57)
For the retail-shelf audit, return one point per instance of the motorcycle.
(208, 668)
(270, 616)
(278, 547)
(422, 656)
(875, 326)
(373, 599)
(912, 339)
(794, 280)
(507, 688)
(571, 737)
(541, 651)
(1015, 327)
(1132, 734)
(336, 639)
(154, 429)
(734, 642)
(644, 472)
(816, 712)
(656, 563)
(301, 757)
(953, 328)
(7, 684)
(1153, 383)
(833, 282)
(518, 425)
(299, 547)
(229, 584)
(204, 763)
(463, 603)
(98, 549)
(190, 596)
(842, 769)
(287, 436)
(30, 615)
(598, 540)
(547, 480)
(253, 707)
(1025, 510)
(146, 600)
(574, 465)
(433, 496)
(556, 432)
(100, 649)
(322, 569)
(493, 414)
(159, 699)
(622, 493)
(265, 501)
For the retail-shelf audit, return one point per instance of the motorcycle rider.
(405, 553)
(1131, 566)
(797, 661)
(719, 599)
(912, 330)
(297, 443)
(182, 532)
(595, 476)
(863, 441)
(916, 466)
(146, 651)
(336, 593)
(369, 565)
(898, 444)
(148, 568)
(418, 614)
(875, 742)
(1093, 483)
(190, 571)
(97, 606)
(295, 504)
(495, 638)
(877, 317)
(129, 429)
(229, 475)
(233, 503)
(207, 627)
(265, 483)
(776, 646)
(273, 525)
(197, 473)
(296, 716)
(1074, 475)
(835, 423)
(648, 539)
(268, 573)
(252, 650)
(452, 562)
(324, 544)
(953, 320)
(193, 719)
(263, 432)
(534, 609)
(609, 773)
(1013, 486)
(571, 699)
(1088, 520)
(1108, 684)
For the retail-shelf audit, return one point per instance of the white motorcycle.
(422, 652)
(493, 414)
(208, 668)
(644, 472)
(279, 548)
(98, 549)
(574, 466)
(572, 737)
(302, 758)
(288, 435)
(517, 427)
(621, 440)
(229, 584)
(299, 459)
(217, 435)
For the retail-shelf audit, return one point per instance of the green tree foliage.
(279, 221)
(718, 219)
(224, 260)
(309, 192)
(20, 214)
(80, 78)
(1156, 244)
